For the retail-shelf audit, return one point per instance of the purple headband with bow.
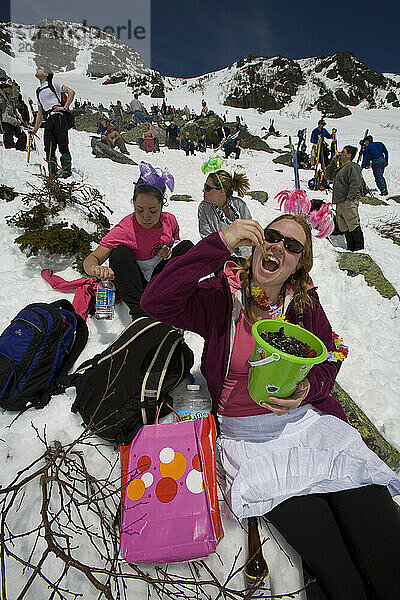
(156, 178)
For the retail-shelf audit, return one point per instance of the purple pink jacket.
(177, 297)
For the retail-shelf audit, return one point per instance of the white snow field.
(368, 323)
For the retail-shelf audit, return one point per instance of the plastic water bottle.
(105, 300)
(191, 403)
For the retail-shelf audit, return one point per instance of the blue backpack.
(40, 345)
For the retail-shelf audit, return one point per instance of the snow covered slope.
(369, 324)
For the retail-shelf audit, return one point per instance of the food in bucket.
(287, 343)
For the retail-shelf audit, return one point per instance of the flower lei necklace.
(262, 301)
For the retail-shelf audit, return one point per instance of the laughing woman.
(297, 460)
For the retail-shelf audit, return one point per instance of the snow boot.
(66, 165)
(384, 192)
(53, 170)
(358, 238)
(349, 240)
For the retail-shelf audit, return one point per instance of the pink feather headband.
(297, 203)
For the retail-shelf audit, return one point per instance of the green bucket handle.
(264, 361)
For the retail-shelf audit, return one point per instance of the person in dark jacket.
(172, 136)
(295, 459)
(187, 145)
(319, 134)
(376, 154)
(232, 145)
(346, 196)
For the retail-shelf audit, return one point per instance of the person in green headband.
(219, 206)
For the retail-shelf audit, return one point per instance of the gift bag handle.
(159, 410)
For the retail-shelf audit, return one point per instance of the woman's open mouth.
(271, 264)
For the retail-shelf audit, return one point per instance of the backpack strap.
(155, 374)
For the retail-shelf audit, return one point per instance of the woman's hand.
(281, 406)
(103, 273)
(164, 253)
(243, 232)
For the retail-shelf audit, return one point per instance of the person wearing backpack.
(10, 119)
(54, 100)
(140, 245)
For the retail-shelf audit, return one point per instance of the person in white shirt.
(54, 109)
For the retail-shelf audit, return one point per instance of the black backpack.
(41, 344)
(120, 389)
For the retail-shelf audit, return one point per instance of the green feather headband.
(212, 165)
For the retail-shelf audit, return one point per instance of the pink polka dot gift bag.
(170, 510)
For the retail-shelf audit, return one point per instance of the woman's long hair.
(238, 182)
(298, 282)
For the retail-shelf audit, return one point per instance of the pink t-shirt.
(235, 399)
(143, 241)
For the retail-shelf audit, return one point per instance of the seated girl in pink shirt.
(139, 246)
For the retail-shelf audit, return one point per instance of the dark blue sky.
(191, 37)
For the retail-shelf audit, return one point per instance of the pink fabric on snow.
(84, 301)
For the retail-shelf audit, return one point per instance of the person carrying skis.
(376, 154)
(318, 135)
(53, 108)
(10, 119)
(346, 196)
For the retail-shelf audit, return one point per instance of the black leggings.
(348, 540)
(56, 135)
(129, 279)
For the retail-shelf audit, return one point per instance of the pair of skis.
(362, 146)
(232, 137)
(295, 164)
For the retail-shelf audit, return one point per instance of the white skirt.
(268, 459)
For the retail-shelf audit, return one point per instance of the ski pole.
(29, 148)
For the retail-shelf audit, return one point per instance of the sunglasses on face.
(208, 188)
(274, 237)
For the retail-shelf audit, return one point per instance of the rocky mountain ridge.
(331, 84)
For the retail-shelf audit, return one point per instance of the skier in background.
(376, 154)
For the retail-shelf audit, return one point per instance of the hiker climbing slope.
(376, 155)
(53, 108)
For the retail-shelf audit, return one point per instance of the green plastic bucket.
(276, 373)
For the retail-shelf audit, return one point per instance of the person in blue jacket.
(376, 155)
(316, 134)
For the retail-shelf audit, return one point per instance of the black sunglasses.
(208, 188)
(274, 237)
